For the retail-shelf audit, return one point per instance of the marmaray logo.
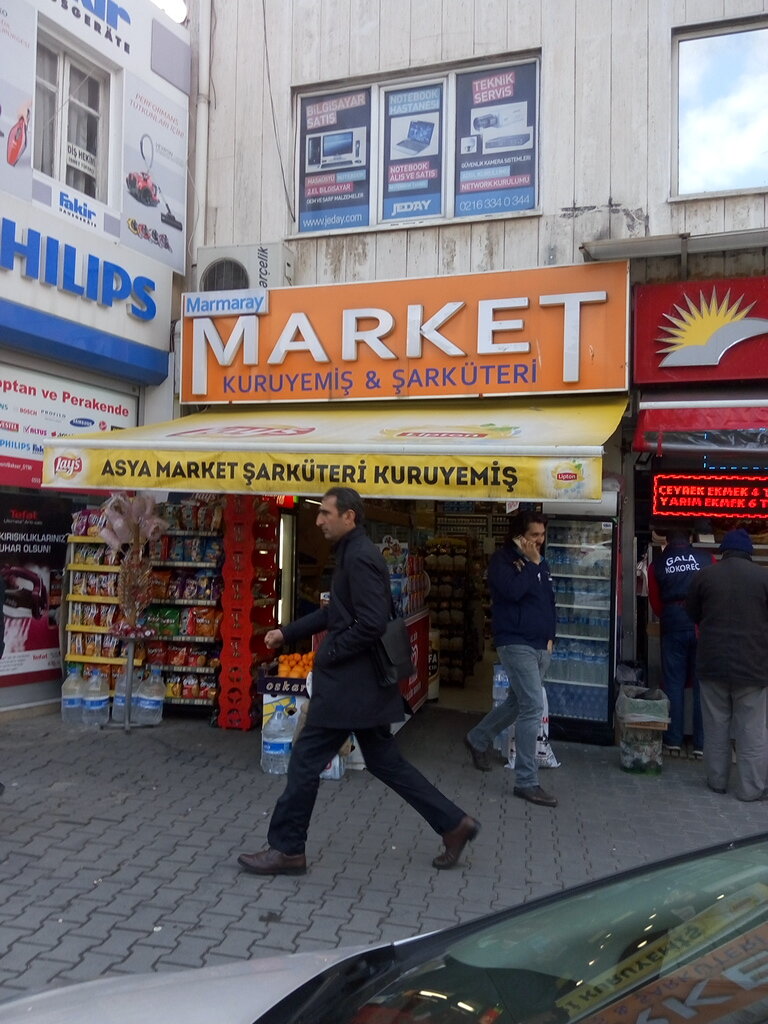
(701, 335)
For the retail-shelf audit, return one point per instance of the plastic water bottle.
(72, 698)
(150, 699)
(276, 742)
(95, 700)
(118, 700)
(500, 685)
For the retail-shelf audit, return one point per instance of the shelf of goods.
(185, 610)
(577, 681)
(91, 604)
(451, 602)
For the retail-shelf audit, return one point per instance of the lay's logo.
(67, 466)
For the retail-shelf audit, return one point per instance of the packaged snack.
(168, 622)
(204, 621)
(80, 523)
(206, 689)
(193, 549)
(196, 656)
(175, 586)
(190, 687)
(156, 652)
(107, 584)
(110, 557)
(78, 582)
(188, 515)
(110, 645)
(175, 549)
(160, 581)
(177, 655)
(76, 644)
(214, 550)
(158, 549)
(90, 615)
(187, 622)
(173, 686)
(92, 645)
(92, 583)
(190, 588)
(96, 522)
(76, 614)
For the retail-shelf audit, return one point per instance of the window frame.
(688, 34)
(379, 90)
(67, 58)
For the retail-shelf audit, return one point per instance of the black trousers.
(313, 750)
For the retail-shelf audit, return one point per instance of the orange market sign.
(552, 330)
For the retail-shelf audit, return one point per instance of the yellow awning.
(530, 450)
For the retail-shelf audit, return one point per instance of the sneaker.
(698, 755)
(671, 751)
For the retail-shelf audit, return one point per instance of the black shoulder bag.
(392, 653)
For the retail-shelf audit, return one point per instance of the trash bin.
(643, 716)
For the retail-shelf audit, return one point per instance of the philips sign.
(85, 275)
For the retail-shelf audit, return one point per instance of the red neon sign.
(709, 495)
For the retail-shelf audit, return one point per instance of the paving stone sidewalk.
(118, 851)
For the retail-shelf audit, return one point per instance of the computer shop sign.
(554, 330)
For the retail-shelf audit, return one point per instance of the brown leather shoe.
(535, 795)
(480, 758)
(273, 862)
(455, 841)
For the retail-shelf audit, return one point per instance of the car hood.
(229, 994)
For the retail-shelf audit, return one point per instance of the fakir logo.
(67, 466)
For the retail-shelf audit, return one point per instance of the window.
(722, 118)
(464, 144)
(71, 103)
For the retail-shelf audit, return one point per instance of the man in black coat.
(347, 696)
(729, 603)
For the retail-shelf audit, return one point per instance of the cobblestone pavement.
(118, 851)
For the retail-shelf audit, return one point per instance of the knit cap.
(737, 540)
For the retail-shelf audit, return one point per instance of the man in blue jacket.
(523, 621)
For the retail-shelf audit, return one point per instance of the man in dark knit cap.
(729, 602)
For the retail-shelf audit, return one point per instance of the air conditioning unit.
(261, 265)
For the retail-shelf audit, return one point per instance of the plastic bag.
(545, 755)
(640, 704)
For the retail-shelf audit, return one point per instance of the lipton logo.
(67, 466)
(701, 335)
(566, 476)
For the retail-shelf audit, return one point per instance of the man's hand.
(530, 549)
(273, 639)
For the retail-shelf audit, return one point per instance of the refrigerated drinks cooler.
(582, 556)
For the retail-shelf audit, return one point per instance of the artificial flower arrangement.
(129, 524)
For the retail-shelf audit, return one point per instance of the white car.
(684, 941)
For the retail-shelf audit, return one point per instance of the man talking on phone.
(523, 620)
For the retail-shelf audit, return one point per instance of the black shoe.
(273, 862)
(455, 841)
(480, 758)
(715, 789)
(536, 795)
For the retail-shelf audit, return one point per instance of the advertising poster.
(154, 174)
(33, 543)
(34, 406)
(334, 161)
(17, 88)
(496, 140)
(412, 172)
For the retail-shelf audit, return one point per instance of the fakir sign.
(555, 330)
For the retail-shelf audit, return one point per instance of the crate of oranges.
(287, 675)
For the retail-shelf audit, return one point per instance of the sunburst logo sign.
(701, 335)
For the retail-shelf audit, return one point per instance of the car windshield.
(683, 943)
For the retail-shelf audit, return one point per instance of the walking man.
(348, 696)
(524, 622)
(670, 575)
(729, 602)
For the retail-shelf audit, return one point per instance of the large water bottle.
(72, 698)
(95, 700)
(150, 699)
(276, 741)
(118, 700)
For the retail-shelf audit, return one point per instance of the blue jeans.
(678, 661)
(525, 668)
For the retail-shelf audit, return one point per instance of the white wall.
(605, 126)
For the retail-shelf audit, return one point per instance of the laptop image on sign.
(419, 136)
